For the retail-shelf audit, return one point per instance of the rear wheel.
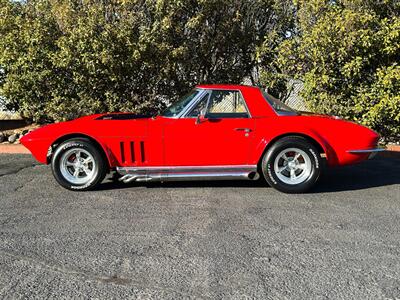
(292, 165)
(78, 165)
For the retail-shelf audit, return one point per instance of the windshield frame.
(187, 107)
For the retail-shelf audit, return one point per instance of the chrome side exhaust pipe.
(142, 174)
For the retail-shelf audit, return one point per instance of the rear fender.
(265, 143)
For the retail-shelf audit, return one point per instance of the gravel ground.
(219, 240)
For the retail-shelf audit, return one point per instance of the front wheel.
(292, 165)
(78, 165)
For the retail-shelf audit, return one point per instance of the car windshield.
(277, 105)
(177, 107)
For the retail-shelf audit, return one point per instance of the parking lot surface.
(210, 240)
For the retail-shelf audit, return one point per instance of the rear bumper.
(371, 152)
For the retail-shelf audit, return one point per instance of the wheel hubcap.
(77, 166)
(292, 166)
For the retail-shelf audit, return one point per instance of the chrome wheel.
(292, 166)
(78, 166)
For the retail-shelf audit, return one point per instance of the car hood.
(121, 116)
(112, 116)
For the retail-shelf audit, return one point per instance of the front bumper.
(372, 152)
(38, 147)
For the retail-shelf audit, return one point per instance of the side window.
(200, 106)
(227, 104)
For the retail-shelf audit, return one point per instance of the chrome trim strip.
(187, 168)
(360, 151)
(245, 104)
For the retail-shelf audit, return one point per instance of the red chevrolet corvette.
(214, 132)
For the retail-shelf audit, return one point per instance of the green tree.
(347, 53)
(65, 58)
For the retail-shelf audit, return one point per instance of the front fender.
(39, 141)
(37, 146)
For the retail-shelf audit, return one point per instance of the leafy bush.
(347, 54)
(62, 59)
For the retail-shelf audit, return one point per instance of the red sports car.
(214, 132)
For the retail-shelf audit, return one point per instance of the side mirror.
(201, 117)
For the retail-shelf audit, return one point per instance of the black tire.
(313, 164)
(98, 174)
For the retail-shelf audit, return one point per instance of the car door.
(223, 137)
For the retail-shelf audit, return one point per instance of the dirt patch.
(13, 149)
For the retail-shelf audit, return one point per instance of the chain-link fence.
(294, 100)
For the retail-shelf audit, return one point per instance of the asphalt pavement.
(200, 240)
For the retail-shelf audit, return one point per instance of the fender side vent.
(132, 148)
(122, 150)
(142, 154)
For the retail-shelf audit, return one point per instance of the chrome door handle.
(247, 130)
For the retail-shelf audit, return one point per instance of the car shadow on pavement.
(378, 172)
(369, 174)
(109, 185)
